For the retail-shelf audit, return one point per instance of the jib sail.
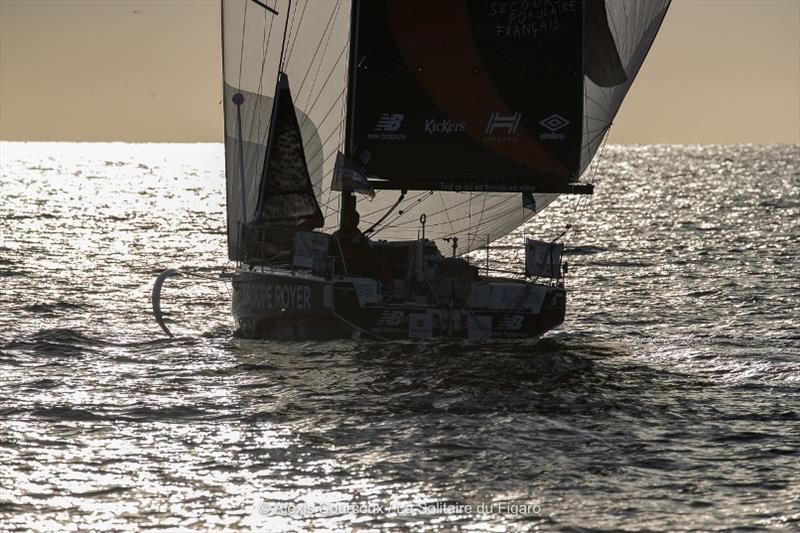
(256, 36)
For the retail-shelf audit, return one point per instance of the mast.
(347, 204)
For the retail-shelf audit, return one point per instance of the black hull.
(285, 306)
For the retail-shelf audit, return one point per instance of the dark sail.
(286, 194)
(468, 94)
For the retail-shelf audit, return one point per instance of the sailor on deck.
(352, 241)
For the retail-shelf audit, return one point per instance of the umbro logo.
(554, 122)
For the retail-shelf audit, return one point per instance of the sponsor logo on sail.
(386, 127)
(443, 127)
(553, 123)
(502, 127)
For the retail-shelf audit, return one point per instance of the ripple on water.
(668, 400)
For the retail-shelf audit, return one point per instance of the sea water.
(669, 399)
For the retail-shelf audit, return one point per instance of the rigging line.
(287, 36)
(297, 31)
(577, 214)
(321, 61)
(321, 122)
(329, 205)
(406, 211)
(495, 232)
(285, 29)
(409, 201)
(446, 212)
(604, 106)
(264, 46)
(331, 18)
(414, 200)
(602, 150)
(437, 224)
(326, 158)
(492, 207)
(429, 193)
(343, 111)
(596, 119)
(469, 215)
(327, 79)
(489, 221)
(597, 133)
(480, 217)
(627, 26)
(342, 120)
(321, 146)
(241, 50)
(330, 193)
(386, 215)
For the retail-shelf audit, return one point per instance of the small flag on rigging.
(347, 178)
(543, 259)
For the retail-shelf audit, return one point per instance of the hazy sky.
(721, 71)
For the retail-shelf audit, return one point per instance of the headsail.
(619, 34)
(315, 62)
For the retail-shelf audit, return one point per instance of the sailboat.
(370, 145)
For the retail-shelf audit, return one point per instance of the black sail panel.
(467, 94)
(287, 195)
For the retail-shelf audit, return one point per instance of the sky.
(720, 71)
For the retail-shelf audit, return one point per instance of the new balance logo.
(389, 122)
(508, 124)
(385, 128)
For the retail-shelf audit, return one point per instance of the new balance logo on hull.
(508, 124)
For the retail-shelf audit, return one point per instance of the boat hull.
(285, 305)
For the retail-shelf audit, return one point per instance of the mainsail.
(460, 102)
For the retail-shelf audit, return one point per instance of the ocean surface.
(668, 400)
